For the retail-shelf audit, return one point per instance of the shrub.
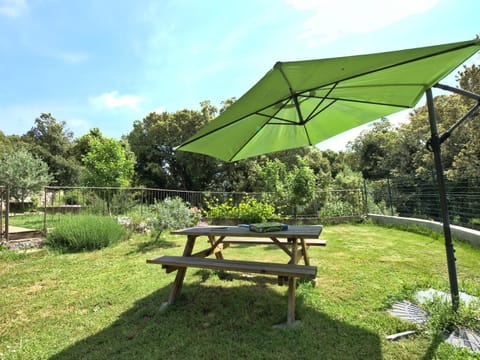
(85, 232)
(71, 198)
(337, 209)
(249, 210)
(172, 213)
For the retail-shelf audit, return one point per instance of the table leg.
(177, 284)
(213, 241)
(304, 252)
(291, 300)
(291, 286)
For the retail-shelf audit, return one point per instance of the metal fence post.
(7, 212)
(390, 200)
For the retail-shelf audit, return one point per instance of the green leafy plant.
(442, 318)
(172, 213)
(249, 210)
(85, 232)
(10, 255)
(71, 198)
(337, 209)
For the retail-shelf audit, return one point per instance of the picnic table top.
(294, 231)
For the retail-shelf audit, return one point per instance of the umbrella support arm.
(470, 113)
(448, 133)
(458, 91)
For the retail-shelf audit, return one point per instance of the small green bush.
(172, 213)
(85, 232)
(71, 198)
(249, 210)
(337, 209)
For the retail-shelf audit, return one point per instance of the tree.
(52, 142)
(108, 163)
(153, 140)
(374, 150)
(81, 144)
(24, 173)
(302, 185)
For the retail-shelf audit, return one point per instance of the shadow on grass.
(146, 246)
(221, 322)
(432, 349)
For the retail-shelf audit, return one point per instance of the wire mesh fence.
(413, 197)
(122, 201)
(42, 211)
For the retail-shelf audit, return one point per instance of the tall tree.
(53, 142)
(81, 145)
(373, 150)
(153, 140)
(108, 162)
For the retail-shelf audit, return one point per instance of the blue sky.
(107, 63)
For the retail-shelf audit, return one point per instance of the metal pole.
(7, 213)
(365, 203)
(390, 200)
(435, 146)
(45, 210)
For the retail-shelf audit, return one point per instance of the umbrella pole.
(435, 146)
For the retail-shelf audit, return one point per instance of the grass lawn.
(105, 304)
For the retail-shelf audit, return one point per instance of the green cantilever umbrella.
(301, 103)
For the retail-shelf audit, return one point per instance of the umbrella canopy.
(301, 103)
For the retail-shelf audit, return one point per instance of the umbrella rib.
(243, 146)
(325, 108)
(283, 121)
(367, 102)
(313, 113)
(293, 94)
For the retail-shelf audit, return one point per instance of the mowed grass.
(105, 304)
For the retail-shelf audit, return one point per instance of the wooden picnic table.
(294, 242)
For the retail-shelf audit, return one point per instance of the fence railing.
(325, 205)
(411, 197)
(120, 201)
(111, 200)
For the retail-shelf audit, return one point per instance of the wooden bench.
(283, 270)
(261, 241)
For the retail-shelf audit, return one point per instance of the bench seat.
(285, 270)
(260, 241)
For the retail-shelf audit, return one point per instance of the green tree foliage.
(52, 142)
(374, 150)
(302, 184)
(466, 160)
(153, 140)
(269, 176)
(5, 143)
(81, 145)
(108, 162)
(24, 173)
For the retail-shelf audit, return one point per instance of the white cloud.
(13, 8)
(112, 100)
(330, 20)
